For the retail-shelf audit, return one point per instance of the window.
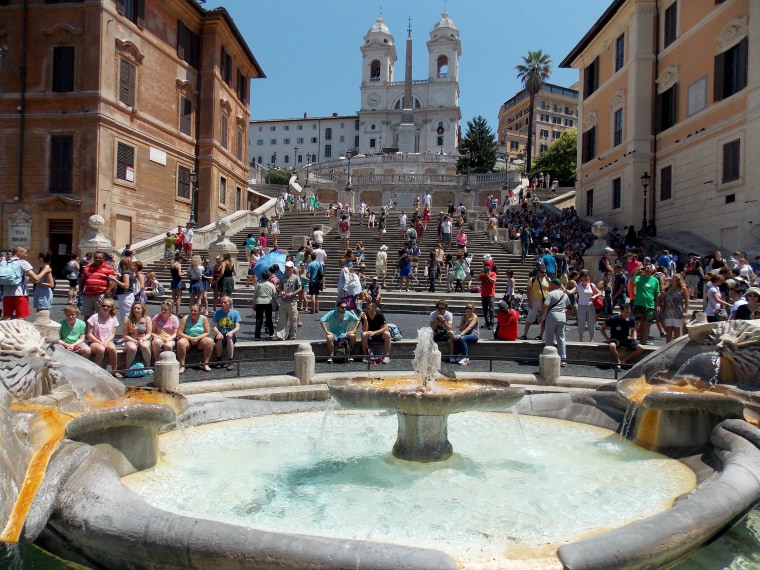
(285, 141)
(731, 70)
(299, 128)
(259, 142)
(225, 67)
(439, 141)
(125, 162)
(591, 78)
(356, 125)
(666, 183)
(555, 135)
(666, 109)
(617, 198)
(287, 159)
(671, 20)
(589, 144)
(543, 148)
(569, 122)
(239, 145)
(61, 164)
(286, 127)
(300, 159)
(127, 78)
(619, 52)
(222, 190)
(272, 141)
(272, 128)
(557, 120)
(183, 182)
(356, 141)
(617, 133)
(514, 145)
(590, 202)
(544, 133)
(188, 45)
(731, 161)
(238, 197)
(299, 140)
(313, 140)
(132, 10)
(543, 117)
(328, 134)
(328, 151)
(223, 135)
(63, 69)
(185, 116)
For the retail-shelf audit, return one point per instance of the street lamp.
(349, 187)
(467, 175)
(191, 223)
(381, 146)
(645, 183)
(308, 163)
(295, 160)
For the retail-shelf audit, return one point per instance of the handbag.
(598, 302)
(350, 302)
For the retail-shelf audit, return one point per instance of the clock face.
(373, 99)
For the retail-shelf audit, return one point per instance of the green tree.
(560, 159)
(532, 73)
(279, 176)
(480, 141)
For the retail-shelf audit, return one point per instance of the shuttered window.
(127, 74)
(731, 161)
(125, 162)
(61, 164)
(183, 182)
(731, 70)
(223, 136)
(63, 69)
(185, 116)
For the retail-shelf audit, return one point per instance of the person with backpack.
(13, 274)
(340, 325)
(72, 274)
(316, 272)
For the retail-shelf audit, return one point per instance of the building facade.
(556, 109)
(107, 107)
(671, 89)
(435, 107)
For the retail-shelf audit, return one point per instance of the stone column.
(50, 330)
(166, 374)
(222, 244)
(549, 365)
(303, 363)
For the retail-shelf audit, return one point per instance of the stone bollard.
(435, 358)
(303, 363)
(549, 365)
(166, 374)
(50, 330)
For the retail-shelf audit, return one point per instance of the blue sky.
(309, 49)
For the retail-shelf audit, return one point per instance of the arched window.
(374, 70)
(443, 67)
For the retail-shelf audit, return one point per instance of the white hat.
(487, 257)
(289, 264)
(383, 247)
(608, 249)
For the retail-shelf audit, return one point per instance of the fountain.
(424, 403)
(80, 508)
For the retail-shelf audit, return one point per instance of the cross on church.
(410, 26)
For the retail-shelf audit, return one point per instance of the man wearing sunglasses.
(339, 324)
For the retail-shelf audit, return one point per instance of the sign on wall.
(19, 230)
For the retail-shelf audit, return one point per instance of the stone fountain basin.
(97, 518)
(407, 395)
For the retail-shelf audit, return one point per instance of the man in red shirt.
(95, 283)
(488, 291)
(506, 323)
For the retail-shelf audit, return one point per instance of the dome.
(379, 26)
(445, 22)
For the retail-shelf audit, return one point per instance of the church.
(406, 115)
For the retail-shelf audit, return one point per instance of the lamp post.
(645, 183)
(467, 173)
(349, 186)
(191, 223)
(295, 160)
(381, 146)
(308, 163)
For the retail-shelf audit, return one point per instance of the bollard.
(50, 330)
(167, 372)
(549, 365)
(303, 363)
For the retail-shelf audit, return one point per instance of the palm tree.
(532, 73)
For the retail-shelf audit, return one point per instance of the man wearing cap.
(507, 323)
(373, 293)
(288, 290)
(750, 309)
(553, 312)
(381, 263)
(488, 290)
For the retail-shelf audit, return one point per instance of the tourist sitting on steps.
(194, 332)
(339, 325)
(375, 329)
(622, 332)
(442, 323)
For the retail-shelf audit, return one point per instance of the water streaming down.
(700, 371)
(425, 363)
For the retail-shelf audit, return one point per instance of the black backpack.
(341, 351)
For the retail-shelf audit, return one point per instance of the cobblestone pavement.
(407, 323)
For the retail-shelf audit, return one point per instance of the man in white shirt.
(317, 237)
(402, 223)
(428, 200)
(187, 243)
(320, 254)
(446, 232)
